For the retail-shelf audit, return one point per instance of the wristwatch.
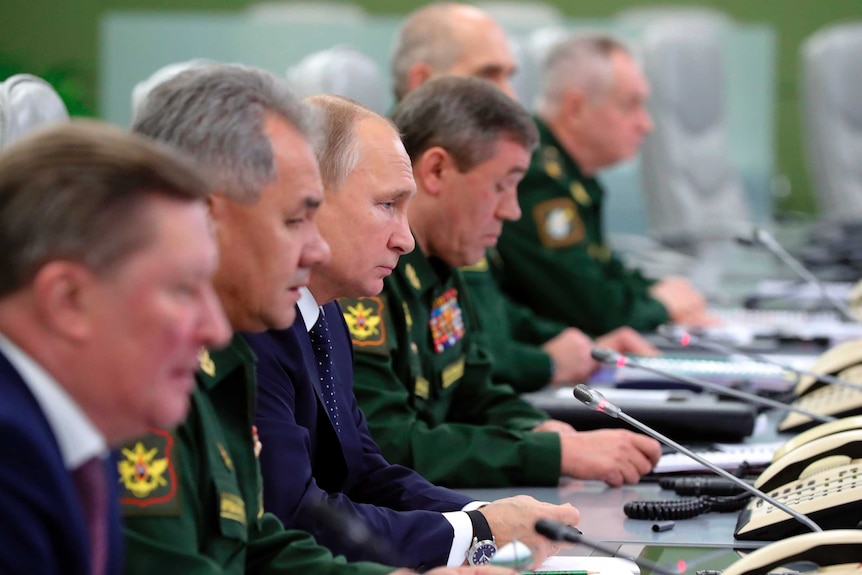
(483, 547)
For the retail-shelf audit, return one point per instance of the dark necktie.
(92, 485)
(322, 344)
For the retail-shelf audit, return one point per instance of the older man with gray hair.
(591, 115)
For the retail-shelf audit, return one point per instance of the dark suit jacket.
(43, 529)
(305, 462)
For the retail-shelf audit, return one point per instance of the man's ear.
(65, 298)
(419, 73)
(574, 103)
(432, 169)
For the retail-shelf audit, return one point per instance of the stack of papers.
(587, 566)
(727, 456)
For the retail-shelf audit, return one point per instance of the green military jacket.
(423, 379)
(192, 497)
(555, 258)
(514, 334)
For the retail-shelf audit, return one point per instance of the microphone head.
(604, 355)
(554, 530)
(595, 400)
(585, 395)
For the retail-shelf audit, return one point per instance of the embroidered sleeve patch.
(365, 320)
(148, 477)
(558, 223)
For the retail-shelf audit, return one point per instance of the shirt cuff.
(463, 536)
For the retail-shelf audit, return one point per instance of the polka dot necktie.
(322, 344)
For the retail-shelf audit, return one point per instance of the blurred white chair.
(144, 87)
(530, 51)
(27, 102)
(692, 193)
(832, 119)
(343, 71)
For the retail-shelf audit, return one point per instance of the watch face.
(481, 552)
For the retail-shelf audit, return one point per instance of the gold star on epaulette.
(408, 319)
(580, 194)
(410, 272)
(207, 364)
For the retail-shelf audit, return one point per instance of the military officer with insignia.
(530, 351)
(193, 495)
(591, 115)
(422, 369)
(449, 38)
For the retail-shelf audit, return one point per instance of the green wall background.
(58, 39)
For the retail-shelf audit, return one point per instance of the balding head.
(448, 38)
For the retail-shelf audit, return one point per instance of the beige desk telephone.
(843, 361)
(836, 552)
(818, 474)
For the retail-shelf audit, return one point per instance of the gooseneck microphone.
(609, 356)
(685, 339)
(595, 400)
(761, 237)
(556, 531)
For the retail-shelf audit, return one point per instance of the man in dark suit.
(317, 446)
(105, 299)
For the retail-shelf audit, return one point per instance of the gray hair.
(426, 36)
(465, 116)
(337, 150)
(580, 62)
(216, 114)
(79, 192)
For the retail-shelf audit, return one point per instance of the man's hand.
(555, 426)
(682, 301)
(615, 456)
(570, 352)
(626, 340)
(515, 518)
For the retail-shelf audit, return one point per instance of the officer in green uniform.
(193, 496)
(513, 333)
(556, 260)
(530, 351)
(422, 371)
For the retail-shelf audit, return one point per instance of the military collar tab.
(216, 365)
(418, 270)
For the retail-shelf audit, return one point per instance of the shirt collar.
(77, 436)
(308, 308)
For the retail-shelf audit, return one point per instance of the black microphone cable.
(684, 508)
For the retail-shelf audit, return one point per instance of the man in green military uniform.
(193, 496)
(591, 115)
(529, 352)
(422, 371)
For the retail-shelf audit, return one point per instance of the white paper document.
(596, 565)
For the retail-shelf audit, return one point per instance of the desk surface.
(603, 520)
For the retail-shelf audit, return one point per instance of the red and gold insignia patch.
(365, 322)
(148, 475)
(446, 321)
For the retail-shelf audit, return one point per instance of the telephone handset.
(821, 479)
(831, 362)
(845, 362)
(822, 430)
(837, 552)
